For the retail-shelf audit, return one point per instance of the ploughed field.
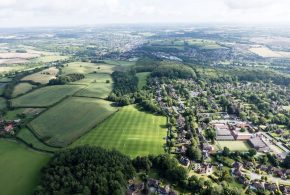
(129, 130)
(20, 168)
(68, 120)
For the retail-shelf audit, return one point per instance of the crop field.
(19, 168)
(86, 68)
(268, 53)
(94, 78)
(43, 76)
(51, 58)
(129, 130)
(27, 136)
(67, 121)
(45, 96)
(96, 90)
(142, 78)
(21, 88)
(233, 145)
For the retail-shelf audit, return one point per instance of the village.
(191, 107)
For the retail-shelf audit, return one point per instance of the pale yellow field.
(51, 58)
(42, 77)
(268, 53)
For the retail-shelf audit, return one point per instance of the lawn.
(45, 96)
(233, 145)
(142, 79)
(21, 88)
(28, 137)
(96, 90)
(86, 68)
(19, 168)
(129, 130)
(43, 76)
(67, 121)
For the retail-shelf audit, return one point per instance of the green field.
(86, 68)
(67, 121)
(129, 130)
(120, 62)
(233, 145)
(27, 136)
(142, 78)
(96, 90)
(21, 88)
(94, 78)
(3, 103)
(19, 168)
(45, 96)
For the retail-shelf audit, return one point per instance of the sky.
(26, 13)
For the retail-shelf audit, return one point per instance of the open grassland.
(95, 78)
(120, 62)
(21, 88)
(86, 68)
(129, 130)
(28, 137)
(19, 168)
(3, 103)
(96, 90)
(233, 145)
(45, 96)
(51, 58)
(28, 112)
(142, 79)
(67, 121)
(43, 76)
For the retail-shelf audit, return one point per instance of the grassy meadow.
(94, 78)
(142, 79)
(86, 68)
(96, 90)
(20, 168)
(45, 96)
(21, 88)
(129, 130)
(43, 76)
(67, 121)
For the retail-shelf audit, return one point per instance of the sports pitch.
(129, 130)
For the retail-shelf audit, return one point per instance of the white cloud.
(75, 12)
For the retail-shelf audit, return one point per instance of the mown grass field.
(129, 130)
(43, 76)
(45, 96)
(233, 145)
(142, 78)
(21, 88)
(86, 68)
(67, 121)
(96, 90)
(27, 136)
(94, 78)
(19, 168)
